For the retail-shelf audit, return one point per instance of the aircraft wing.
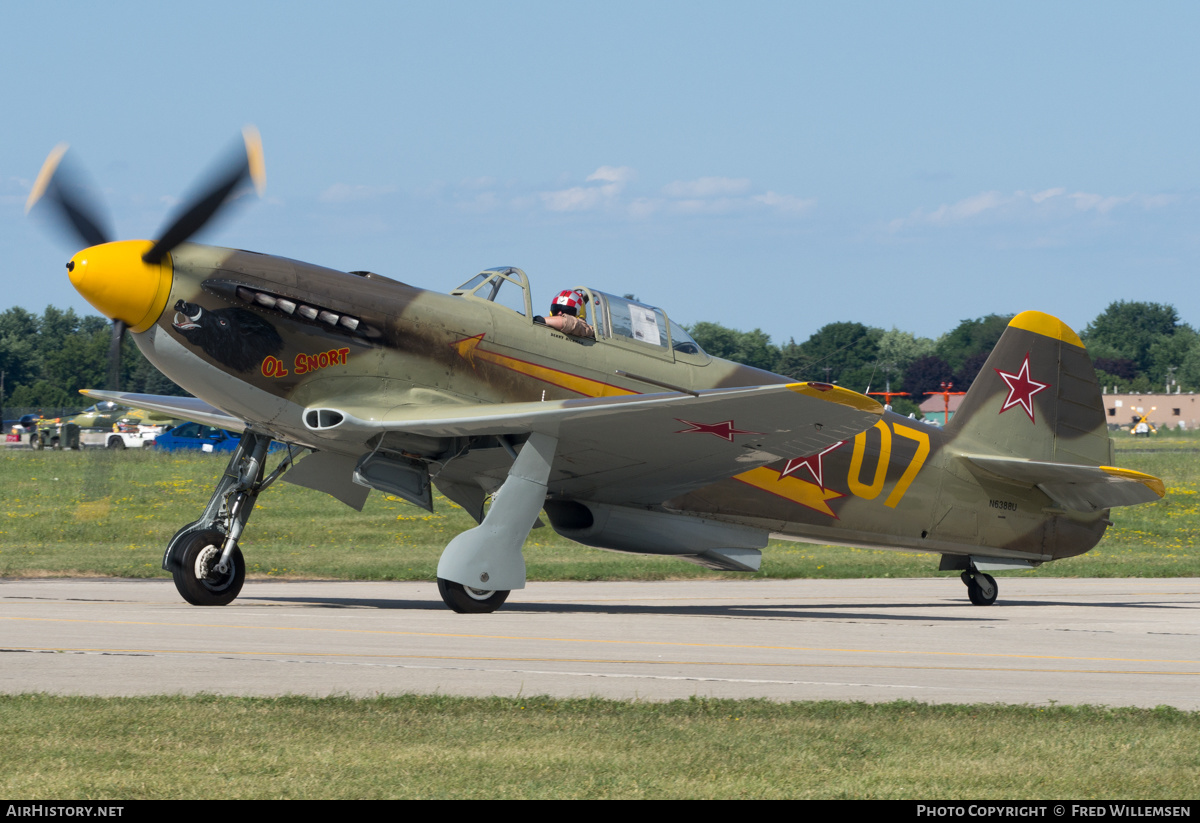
(185, 408)
(1082, 488)
(631, 449)
(643, 448)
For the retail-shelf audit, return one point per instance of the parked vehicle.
(125, 436)
(22, 426)
(16, 431)
(196, 437)
(54, 434)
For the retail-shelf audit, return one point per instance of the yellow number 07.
(869, 491)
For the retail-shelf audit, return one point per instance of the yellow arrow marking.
(468, 349)
(790, 488)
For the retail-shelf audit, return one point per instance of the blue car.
(195, 437)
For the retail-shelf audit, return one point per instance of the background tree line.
(47, 359)
(1137, 347)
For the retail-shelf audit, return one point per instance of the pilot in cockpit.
(564, 314)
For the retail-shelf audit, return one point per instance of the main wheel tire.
(982, 589)
(195, 578)
(465, 600)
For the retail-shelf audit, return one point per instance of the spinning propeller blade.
(64, 188)
(216, 194)
(114, 355)
(113, 278)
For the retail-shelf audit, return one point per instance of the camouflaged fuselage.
(265, 338)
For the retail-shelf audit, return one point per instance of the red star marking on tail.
(1021, 389)
(812, 463)
(723, 430)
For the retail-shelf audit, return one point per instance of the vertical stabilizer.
(1035, 398)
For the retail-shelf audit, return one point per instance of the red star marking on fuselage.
(724, 430)
(812, 463)
(1021, 389)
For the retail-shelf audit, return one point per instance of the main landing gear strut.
(476, 571)
(203, 556)
(480, 566)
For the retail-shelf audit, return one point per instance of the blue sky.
(772, 165)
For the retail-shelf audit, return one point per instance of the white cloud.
(612, 174)
(969, 207)
(786, 202)
(1046, 205)
(1096, 202)
(1042, 196)
(608, 189)
(577, 198)
(644, 207)
(718, 195)
(1158, 201)
(583, 198)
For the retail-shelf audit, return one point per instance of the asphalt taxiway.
(1118, 642)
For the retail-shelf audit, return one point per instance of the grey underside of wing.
(185, 408)
(649, 450)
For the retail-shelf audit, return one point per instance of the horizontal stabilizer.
(1081, 488)
(185, 408)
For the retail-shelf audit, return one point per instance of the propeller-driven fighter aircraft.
(631, 439)
(106, 414)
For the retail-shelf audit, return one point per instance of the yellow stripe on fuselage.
(470, 350)
(790, 488)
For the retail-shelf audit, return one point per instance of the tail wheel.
(195, 573)
(981, 588)
(466, 600)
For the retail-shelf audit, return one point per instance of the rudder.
(1036, 397)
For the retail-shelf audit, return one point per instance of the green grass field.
(444, 747)
(100, 513)
(105, 513)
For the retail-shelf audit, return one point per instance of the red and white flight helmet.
(567, 302)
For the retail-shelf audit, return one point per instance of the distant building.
(1172, 411)
(934, 408)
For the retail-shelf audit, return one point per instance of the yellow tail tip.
(1046, 325)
